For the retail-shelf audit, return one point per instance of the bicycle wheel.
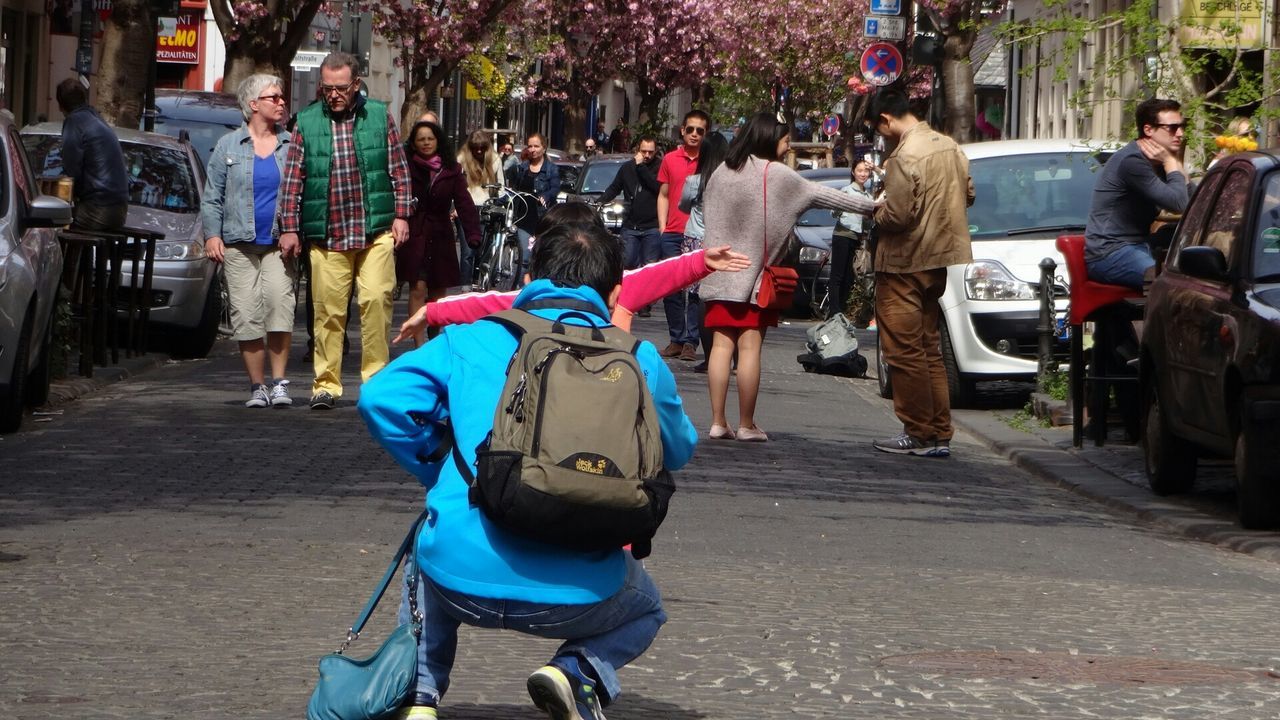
(818, 300)
(506, 273)
(482, 271)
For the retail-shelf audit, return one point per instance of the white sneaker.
(259, 398)
(280, 394)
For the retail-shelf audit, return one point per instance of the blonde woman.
(481, 166)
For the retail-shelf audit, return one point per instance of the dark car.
(596, 175)
(204, 116)
(1210, 362)
(813, 229)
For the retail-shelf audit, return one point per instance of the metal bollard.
(1047, 325)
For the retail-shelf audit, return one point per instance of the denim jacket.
(227, 207)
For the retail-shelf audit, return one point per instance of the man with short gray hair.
(346, 188)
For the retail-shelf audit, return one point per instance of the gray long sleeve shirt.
(1127, 197)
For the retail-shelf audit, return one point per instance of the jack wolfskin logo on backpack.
(571, 460)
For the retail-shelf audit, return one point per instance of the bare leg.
(278, 350)
(417, 298)
(723, 343)
(254, 358)
(750, 344)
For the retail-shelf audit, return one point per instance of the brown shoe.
(689, 353)
(672, 350)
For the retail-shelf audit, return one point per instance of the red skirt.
(724, 314)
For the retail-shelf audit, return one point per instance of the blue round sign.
(881, 63)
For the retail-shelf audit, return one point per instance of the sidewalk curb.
(74, 387)
(1071, 469)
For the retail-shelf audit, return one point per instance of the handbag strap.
(765, 185)
(405, 546)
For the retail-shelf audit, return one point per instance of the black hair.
(695, 113)
(1148, 112)
(759, 137)
(889, 102)
(71, 95)
(444, 148)
(710, 156)
(647, 138)
(572, 256)
(568, 213)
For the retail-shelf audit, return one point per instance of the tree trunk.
(957, 85)
(267, 45)
(241, 65)
(128, 46)
(418, 92)
(575, 118)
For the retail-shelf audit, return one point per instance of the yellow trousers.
(375, 277)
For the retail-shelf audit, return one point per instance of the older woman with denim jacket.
(239, 209)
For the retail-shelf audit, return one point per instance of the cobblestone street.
(167, 553)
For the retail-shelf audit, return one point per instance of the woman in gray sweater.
(751, 204)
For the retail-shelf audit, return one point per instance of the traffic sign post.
(881, 64)
(884, 27)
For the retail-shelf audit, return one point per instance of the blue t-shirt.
(266, 184)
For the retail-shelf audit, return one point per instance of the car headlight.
(809, 254)
(179, 250)
(989, 280)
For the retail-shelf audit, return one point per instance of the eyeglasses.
(1173, 128)
(695, 130)
(340, 89)
(478, 148)
(277, 98)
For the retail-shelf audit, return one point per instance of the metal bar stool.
(1104, 305)
(84, 273)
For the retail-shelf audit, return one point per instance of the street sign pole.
(84, 50)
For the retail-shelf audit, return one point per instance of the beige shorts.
(261, 286)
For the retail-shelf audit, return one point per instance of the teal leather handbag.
(377, 686)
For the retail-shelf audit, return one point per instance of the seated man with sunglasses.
(1141, 179)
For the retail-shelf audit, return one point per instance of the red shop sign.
(178, 40)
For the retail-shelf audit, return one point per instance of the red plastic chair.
(1087, 298)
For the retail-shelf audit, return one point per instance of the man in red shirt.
(683, 316)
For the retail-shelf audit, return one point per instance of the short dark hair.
(338, 60)
(568, 213)
(759, 137)
(572, 256)
(1148, 112)
(71, 95)
(695, 113)
(893, 103)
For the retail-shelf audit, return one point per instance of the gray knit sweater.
(735, 212)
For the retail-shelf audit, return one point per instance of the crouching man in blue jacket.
(602, 604)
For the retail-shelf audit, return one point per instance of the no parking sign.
(881, 63)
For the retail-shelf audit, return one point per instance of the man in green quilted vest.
(346, 189)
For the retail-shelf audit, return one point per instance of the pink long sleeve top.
(640, 287)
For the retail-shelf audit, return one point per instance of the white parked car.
(1028, 192)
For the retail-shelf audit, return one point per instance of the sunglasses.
(278, 98)
(695, 130)
(1172, 127)
(343, 89)
(479, 148)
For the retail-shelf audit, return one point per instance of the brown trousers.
(907, 316)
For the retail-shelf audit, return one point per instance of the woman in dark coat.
(428, 260)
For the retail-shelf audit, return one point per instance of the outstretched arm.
(455, 310)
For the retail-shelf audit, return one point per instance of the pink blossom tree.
(261, 35)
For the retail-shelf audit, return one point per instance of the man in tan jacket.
(923, 228)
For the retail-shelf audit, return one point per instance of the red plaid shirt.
(346, 229)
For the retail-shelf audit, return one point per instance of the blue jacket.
(226, 209)
(459, 377)
(91, 156)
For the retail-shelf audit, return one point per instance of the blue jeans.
(684, 316)
(1126, 265)
(606, 635)
(523, 237)
(640, 247)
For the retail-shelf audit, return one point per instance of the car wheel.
(1257, 490)
(196, 342)
(1170, 461)
(882, 374)
(961, 389)
(41, 375)
(12, 403)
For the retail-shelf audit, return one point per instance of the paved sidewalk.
(167, 553)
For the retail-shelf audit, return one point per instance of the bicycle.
(498, 258)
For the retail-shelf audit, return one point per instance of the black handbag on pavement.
(378, 686)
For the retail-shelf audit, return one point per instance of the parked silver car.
(166, 180)
(30, 270)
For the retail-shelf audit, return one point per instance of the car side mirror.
(49, 211)
(1206, 263)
